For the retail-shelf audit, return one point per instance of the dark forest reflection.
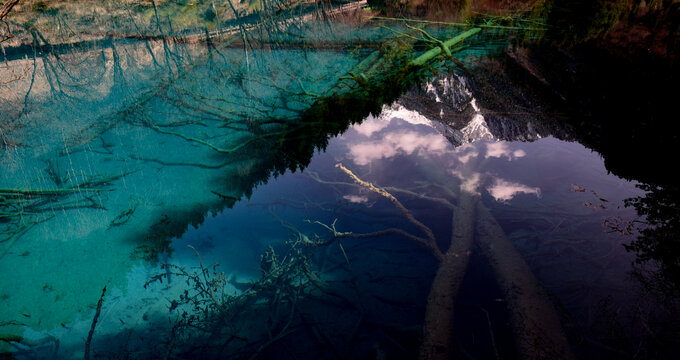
(657, 241)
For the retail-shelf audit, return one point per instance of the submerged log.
(438, 327)
(536, 324)
(537, 328)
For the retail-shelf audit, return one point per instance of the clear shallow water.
(82, 124)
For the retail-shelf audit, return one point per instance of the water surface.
(234, 204)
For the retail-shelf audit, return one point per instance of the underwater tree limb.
(209, 289)
(285, 331)
(392, 189)
(94, 324)
(15, 235)
(438, 326)
(350, 235)
(318, 283)
(432, 242)
(21, 209)
(20, 193)
(537, 327)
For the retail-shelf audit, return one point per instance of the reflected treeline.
(613, 83)
(184, 125)
(659, 240)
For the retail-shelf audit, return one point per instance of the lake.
(298, 186)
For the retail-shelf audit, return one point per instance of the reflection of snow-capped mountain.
(475, 129)
(449, 105)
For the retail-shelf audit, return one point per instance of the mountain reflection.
(656, 246)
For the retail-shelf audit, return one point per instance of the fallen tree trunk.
(438, 327)
(537, 328)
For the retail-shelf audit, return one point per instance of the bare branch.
(7, 7)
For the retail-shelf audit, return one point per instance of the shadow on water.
(120, 131)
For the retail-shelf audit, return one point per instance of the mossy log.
(443, 46)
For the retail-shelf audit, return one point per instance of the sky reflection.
(401, 132)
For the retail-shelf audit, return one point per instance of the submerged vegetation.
(21, 209)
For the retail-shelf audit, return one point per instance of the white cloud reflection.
(500, 149)
(393, 133)
(397, 142)
(502, 190)
(470, 183)
(357, 199)
(371, 125)
(466, 152)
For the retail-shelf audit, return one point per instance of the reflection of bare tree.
(4, 11)
(13, 113)
(234, 110)
(15, 76)
(240, 106)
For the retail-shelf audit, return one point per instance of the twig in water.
(94, 323)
